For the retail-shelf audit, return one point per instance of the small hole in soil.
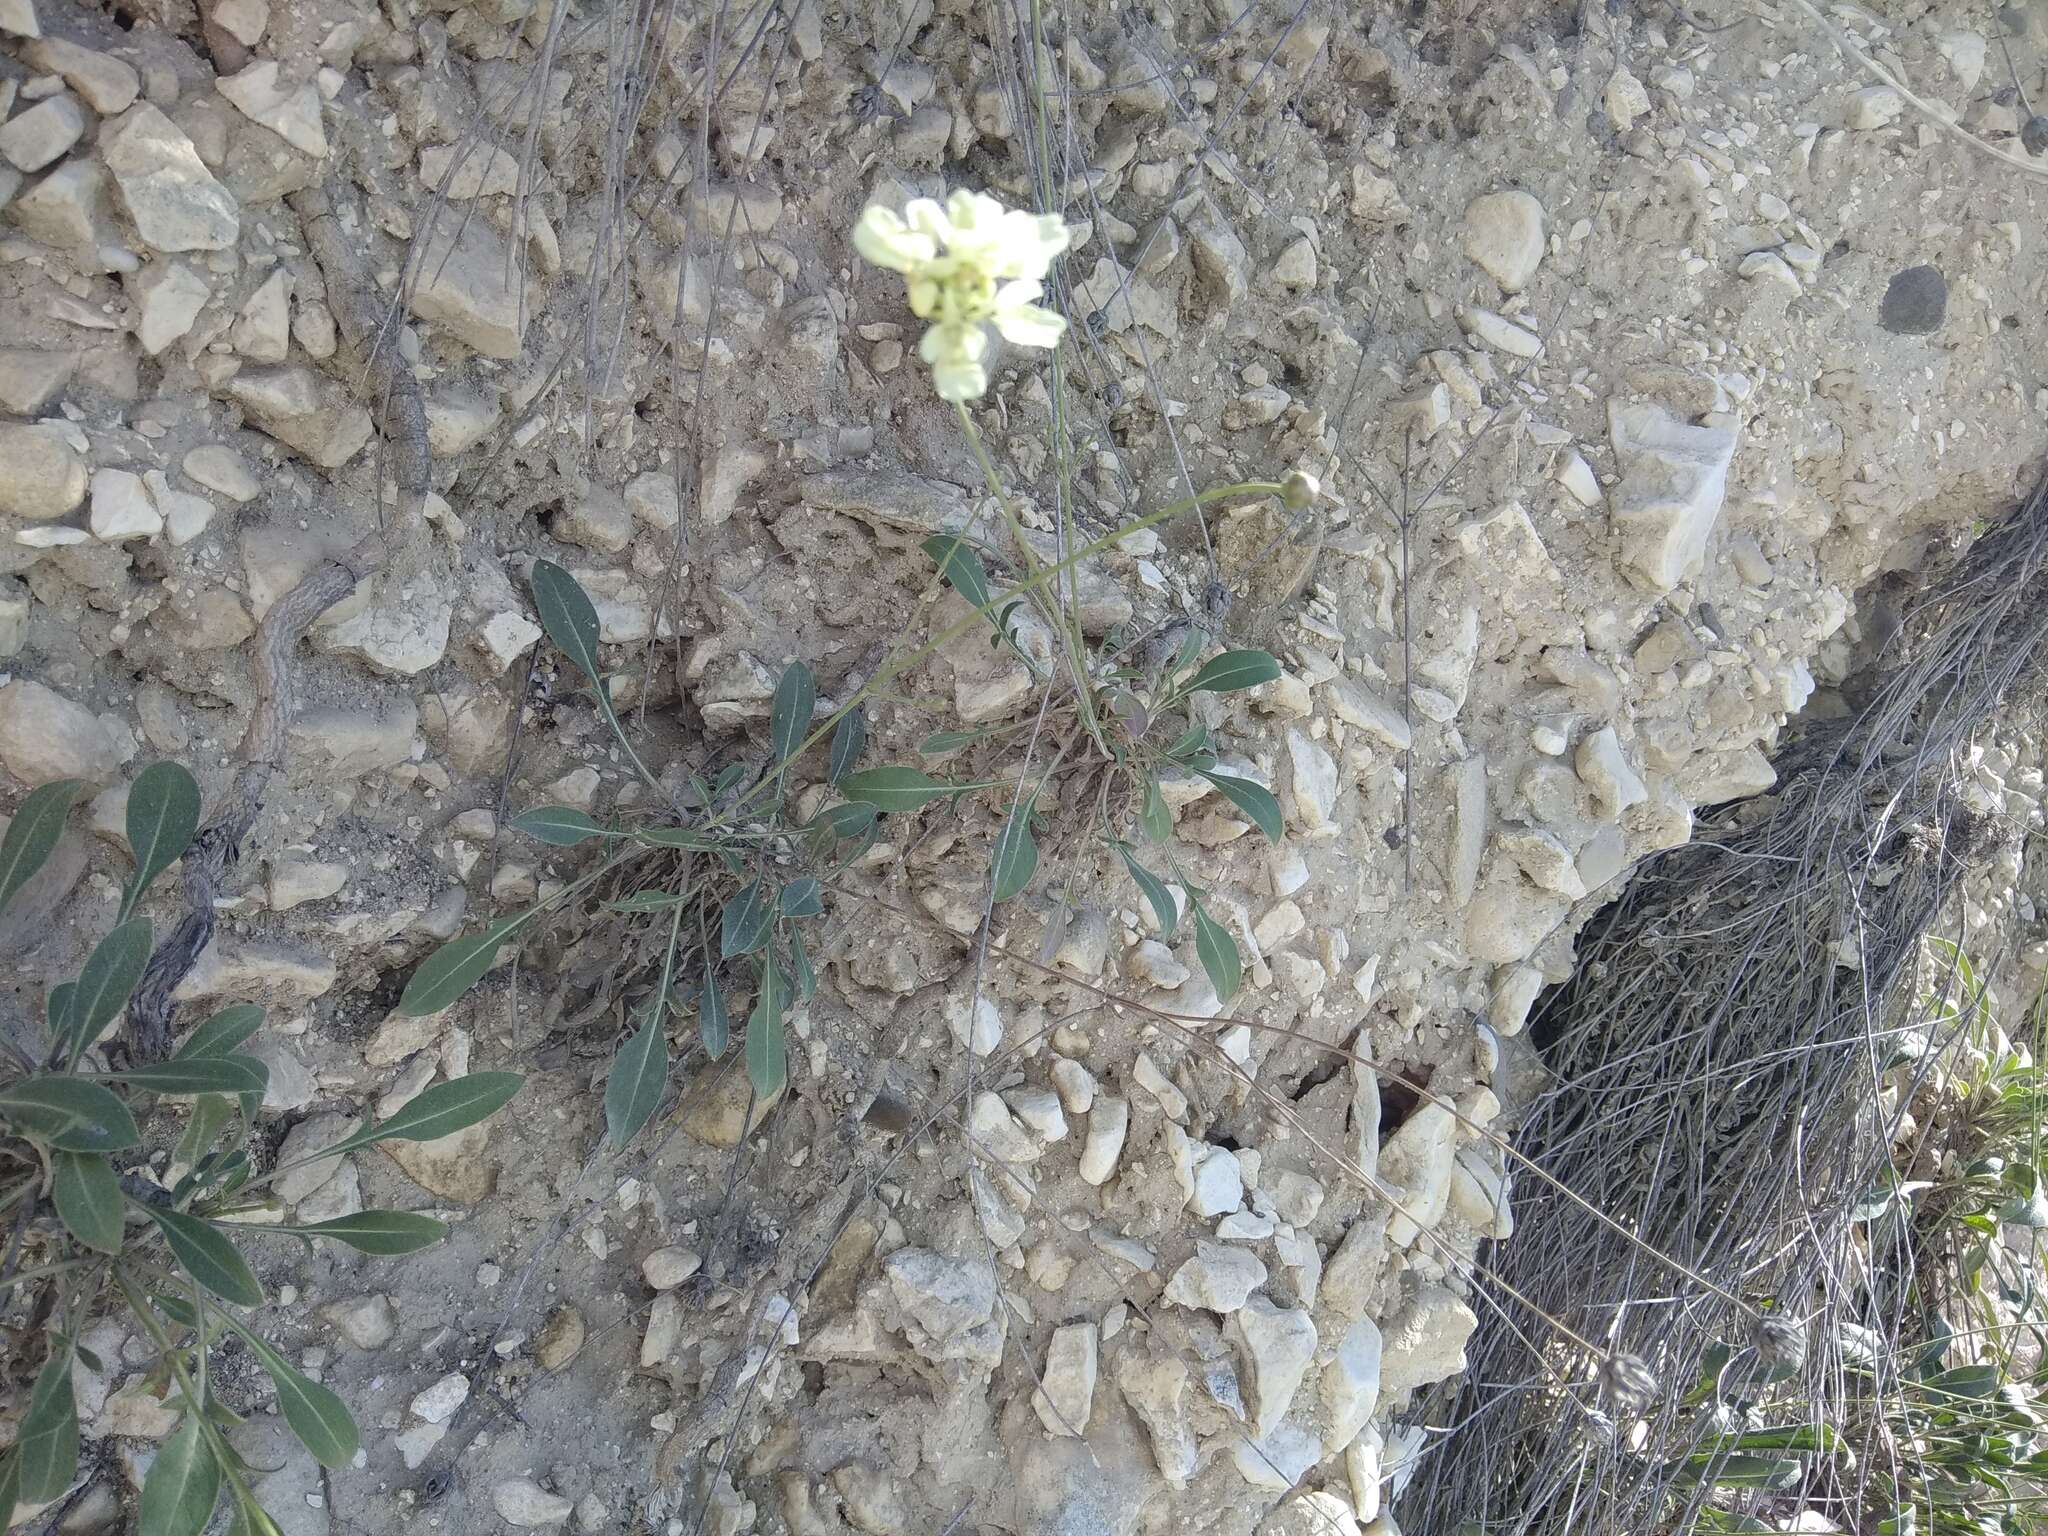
(1399, 1100)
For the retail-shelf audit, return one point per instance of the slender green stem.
(195, 1399)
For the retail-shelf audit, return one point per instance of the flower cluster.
(966, 264)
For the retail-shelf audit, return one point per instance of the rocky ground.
(1705, 341)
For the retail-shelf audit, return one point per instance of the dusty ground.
(1754, 341)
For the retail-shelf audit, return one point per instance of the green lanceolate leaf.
(439, 1111)
(714, 1023)
(70, 1114)
(642, 902)
(849, 820)
(182, 1484)
(1233, 672)
(939, 743)
(221, 1033)
(315, 1414)
(88, 1199)
(47, 1442)
(1744, 1471)
(1193, 746)
(383, 1233)
(33, 833)
(1255, 800)
(1155, 818)
(848, 738)
(455, 967)
(959, 563)
(251, 1520)
(1218, 952)
(209, 1255)
(10, 1487)
(638, 1076)
(109, 976)
(895, 788)
(569, 618)
(163, 815)
(1016, 856)
(743, 925)
(559, 826)
(805, 978)
(802, 897)
(767, 1057)
(195, 1075)
(1157, 896)
(789, 716)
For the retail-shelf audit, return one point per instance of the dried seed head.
(1627, 1383)
(1299, 490)
(1600, 1428)
(1778, 1341)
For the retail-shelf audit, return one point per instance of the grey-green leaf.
(1156, 818)
(439, 1111)
(961, 566)
(789, 715)
(221, 1033)
(767, 1056)
(1255, 800)
(208, 1254)
(848, 738)
(315, 1414)
(802, 897)
(47, 1441)
(638, 1076)
(110, 974)
(179, 1491)
(1157, 896)
(163, 816)
(1218, 953)
(383, 1233)
(743, 925)
(559, 826)
(569, 618)
(1016, 856)
(33, 833)
(455, 967)
(894, 788)
(1234, 671)
(714, 1023)
(69, 1113)
(88, 1199)
(184, 1077)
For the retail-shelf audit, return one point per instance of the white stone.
(168, 296)
(1315, 780)
(121, 508)
(169, 193)
(1219, 1278)
(664, 1328)
(1151, 961)
(1499, 332)
(219, 468)
(1875, 106)
(1965, 52)
(1067, 1395)
(1419, 1157)
(1039, 1109)
(1277, 1461)
(1352, 704)
(1362, 1471)
(1769, 267)
(45, 736)
(1504, 236)
(1278, 1344)
(41, 135)
(41, 474)
(1109, 1121)
(996, 1133)
(294, 882)
(1578, 480)
(1074, 1084)
(1471, 814)
(243, 20)
(1351, 1385)
(290, 112)
(108, 85)
(1674, 478)
(438, 1402)
(465, 171)
(523, 1502)
(1625, 100)
(472, 287)
(507, 636)
(1156, 1388)
(305, 410)
(1426, 1340)
(263, 332)
(367, 1322)
(652, 500)
(1544, 859)
(976, 1024)
(1603, 768)
(666, 1268)
(19, 18)
(1155, 1082)
(185, 515)
(1509, 919)
(1218, 1183)
(1480, 1196)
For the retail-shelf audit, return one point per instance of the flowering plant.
(965, 264)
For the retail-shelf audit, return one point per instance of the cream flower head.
(966, 264)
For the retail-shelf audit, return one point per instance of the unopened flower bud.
(1299, 490)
